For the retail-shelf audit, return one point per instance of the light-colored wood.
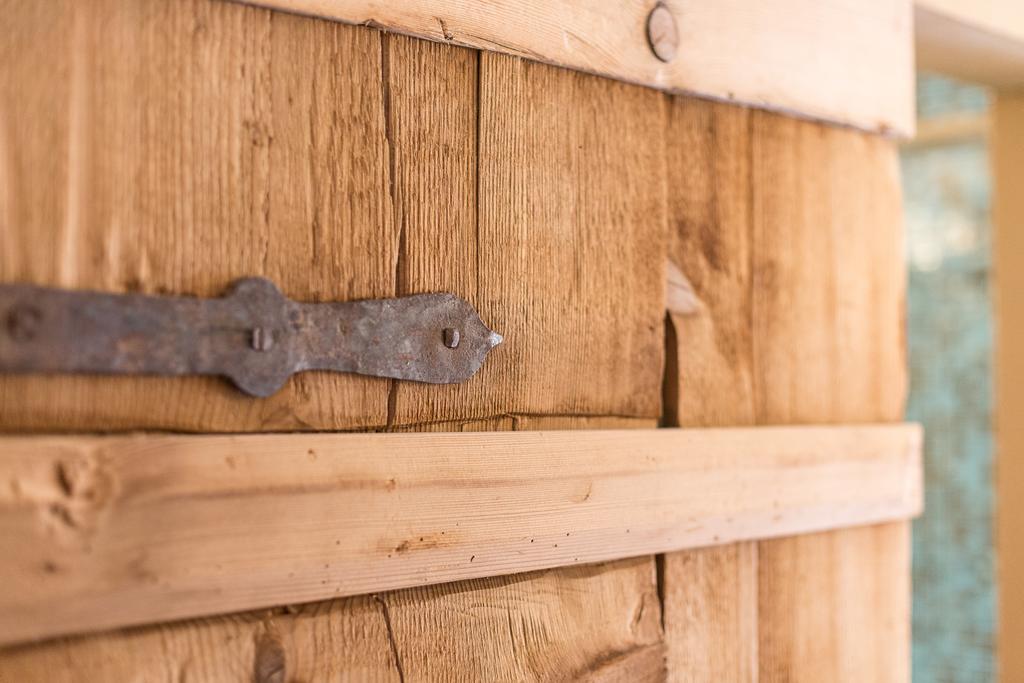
(998, 16)
(97, 532)
(949, 130)
(229, 145)
(710, 594)
(598, 622)
(570, 215)
(808, 57)
(981, 41)
(592, 622)
(828, 330)
(711, 616)
(708, 151)
(802, 284)
(836, 606)
(1007, 150)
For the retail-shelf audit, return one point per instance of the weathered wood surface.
(102, 532)
(831, 317)
(599, 623)
(173, 147)
(230, 144)
(802, 282)
(784, 55)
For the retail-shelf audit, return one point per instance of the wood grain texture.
(792, 240)
(593, 622)
(102, 532)
(569, 219)
(710, 598)
(710, 594)
(535, 193)
(598, 623)
(1007, 150)
(783, 56)
(828, 326)
(171, 148)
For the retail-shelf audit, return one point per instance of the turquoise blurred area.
(947, 191)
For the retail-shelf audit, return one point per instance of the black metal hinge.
(253, 335)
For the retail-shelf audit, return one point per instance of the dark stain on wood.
(268, 660)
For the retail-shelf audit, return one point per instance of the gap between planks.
(102, 532)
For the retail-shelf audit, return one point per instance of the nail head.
(451, 337)
(662, 34)
(262, 339)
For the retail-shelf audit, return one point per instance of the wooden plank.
(829, 282)
(783, 56)
(346, 183)
(572, 623)
(836, 606)
(570, 215)
(100, 532)
(710, 594)
(173, 147)
(1007, 150)
(711, 617)
(593, 622)
(1004, 16)
(801, 281)
(977, 40)
(950, 130)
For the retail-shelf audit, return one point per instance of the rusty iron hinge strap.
(253, 335)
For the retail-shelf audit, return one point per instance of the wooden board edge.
(1007, 161)
(103, 532)
(957, 46)
(772, 57)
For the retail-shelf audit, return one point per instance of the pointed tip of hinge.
(494, 339)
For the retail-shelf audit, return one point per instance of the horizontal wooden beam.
(100, 532)
(836, 60)
(981, 41)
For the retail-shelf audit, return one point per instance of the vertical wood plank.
(171, 148)
(1007, 149)
(430, 99)
(828, 319)
(710, 606)
(600, 621)
(710, 595)
(567, 248)
(792, 240)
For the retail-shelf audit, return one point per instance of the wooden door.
(170, 148)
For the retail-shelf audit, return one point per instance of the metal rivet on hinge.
(451, 337)
(662, 34)
(262, 339)
(23, 322)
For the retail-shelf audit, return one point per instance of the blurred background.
(947, 185)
